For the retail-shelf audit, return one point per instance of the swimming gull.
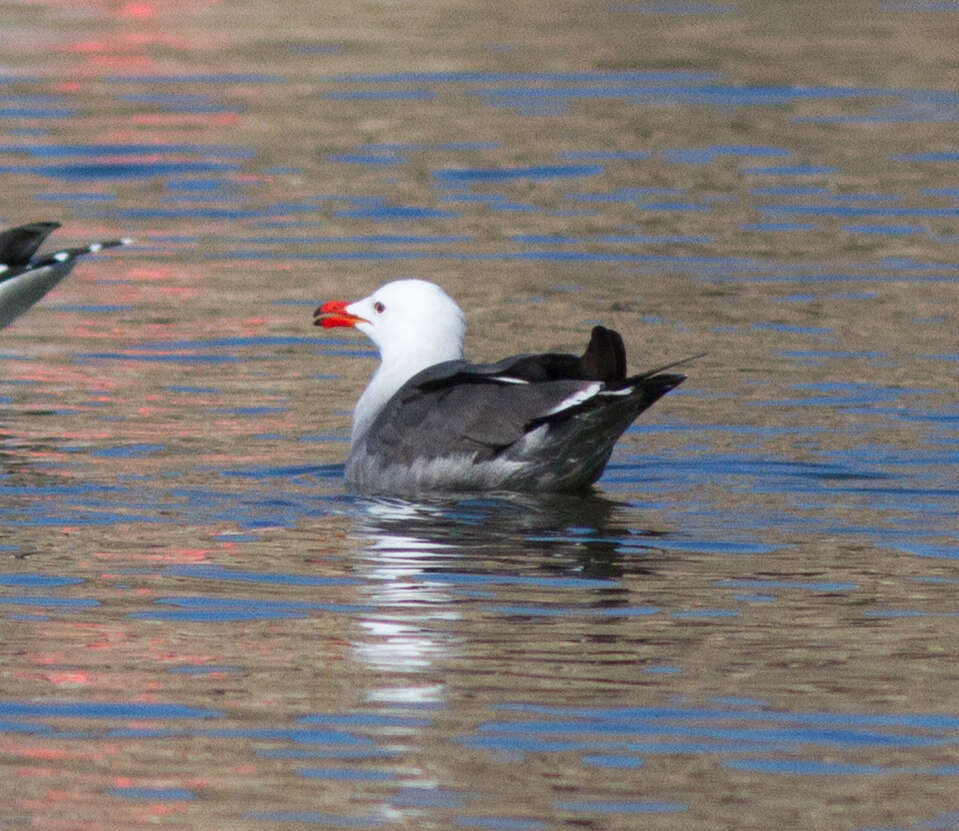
(431, 421)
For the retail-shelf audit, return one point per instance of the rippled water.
(750, 624)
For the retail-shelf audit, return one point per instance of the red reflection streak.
(142, 26)
(173, 555)
(137, 10)
(107, 644)
(68, 679)
(17, 749)
(135, 278)
(56, 678)
(50, 754)
(143, 274)
(58, 374)
(123, 813)
(81, 47)
(125, 45)
(181, 292)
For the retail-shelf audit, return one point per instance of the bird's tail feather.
(650, 373)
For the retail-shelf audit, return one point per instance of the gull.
(430, 421)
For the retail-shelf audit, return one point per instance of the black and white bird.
(26, 276)
(431, 421)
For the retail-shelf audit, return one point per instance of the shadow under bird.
(26, 276)
(430, 421)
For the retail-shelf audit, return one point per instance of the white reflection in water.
(425, 694)
(405, 638)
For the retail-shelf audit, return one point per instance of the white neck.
(395, 369)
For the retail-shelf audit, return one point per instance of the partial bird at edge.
(25, 276)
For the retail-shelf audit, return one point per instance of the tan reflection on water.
(152, 436)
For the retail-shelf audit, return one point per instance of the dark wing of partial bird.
(18, 245)
(25, 277)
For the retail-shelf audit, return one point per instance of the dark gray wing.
(459, 408)
(483, 410)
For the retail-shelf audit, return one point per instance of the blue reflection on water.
(791, 170)
(217, 572)
(510, 173)
(346, 774)
(119, 170)
(857, 210)
(381, 95)
(220, 151)
(789, 742)
(34, 580)
(102, 709)
(386, 212)
(21, 110)
(205, 609)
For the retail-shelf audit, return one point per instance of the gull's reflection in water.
(589, 536)
(424, 563)
(408, 634)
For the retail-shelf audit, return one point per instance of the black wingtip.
(646, 391)
(18, 245)
(605, 356)
(667, 382)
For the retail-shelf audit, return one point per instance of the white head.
(414, 324)
(403, 318)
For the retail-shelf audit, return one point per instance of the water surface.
(750, 624)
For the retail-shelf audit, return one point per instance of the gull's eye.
(378, 307)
